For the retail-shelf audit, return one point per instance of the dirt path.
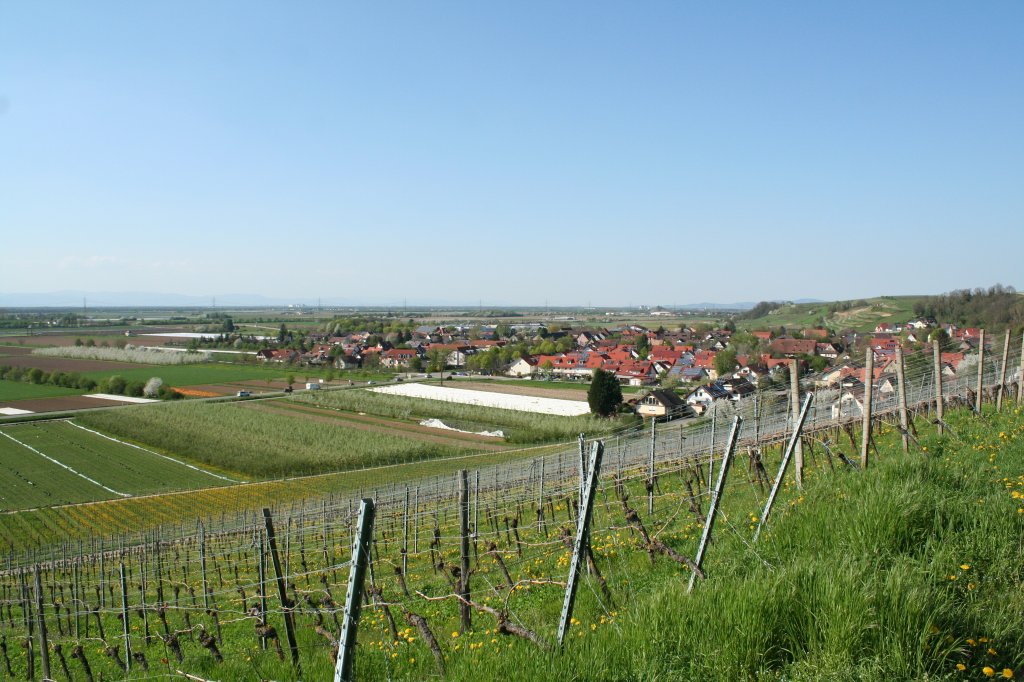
(381, 425)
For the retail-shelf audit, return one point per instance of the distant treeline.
(997, 306)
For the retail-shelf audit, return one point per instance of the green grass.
(28, 479)
(19, 390)
(191, 375)
(259, 444)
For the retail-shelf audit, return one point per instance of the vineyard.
(909, 568)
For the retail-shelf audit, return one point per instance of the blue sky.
(511, 153)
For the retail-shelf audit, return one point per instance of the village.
(673, 373)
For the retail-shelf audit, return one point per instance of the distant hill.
(859, 315)
(994, 308)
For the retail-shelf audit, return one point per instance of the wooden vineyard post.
(650, 468)
(901, 379)
(980, 388)
(1002, 372)
(757, 432)
(716, 498)
(794, 399)
(939, 405)
(124, 620)
(793, 440)
(44, 649)
(1020, 372)
(286, 604)
(869, 385)
(261, 570)
(465, 611)
(582, 537)
(353, 596)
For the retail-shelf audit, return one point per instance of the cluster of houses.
(642, 357)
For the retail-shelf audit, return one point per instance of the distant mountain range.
(128, 299)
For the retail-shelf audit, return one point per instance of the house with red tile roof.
(792, 347)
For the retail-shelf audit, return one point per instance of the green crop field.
(519, 426)
(206, 373)
(94, 467)
(20, 390)
(260, 444)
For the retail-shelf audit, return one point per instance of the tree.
(152, 388)
(643, 346)
(605, 394)
(725, 362)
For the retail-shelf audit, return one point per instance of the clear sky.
(511, 152)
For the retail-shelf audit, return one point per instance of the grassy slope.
(862, 318)
(897, 573)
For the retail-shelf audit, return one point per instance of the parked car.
(243, 394)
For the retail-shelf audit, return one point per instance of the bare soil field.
(12, 351)
(60, 404)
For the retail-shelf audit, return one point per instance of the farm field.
(412, 429)
(260, 444)
(20, 390)
(48, 463)
(116, 516)
(518, 426)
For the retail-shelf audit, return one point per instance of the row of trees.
(115, 385)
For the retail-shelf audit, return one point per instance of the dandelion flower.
(1007, 673)
(965, 567)
(989, 672)
(961, 667)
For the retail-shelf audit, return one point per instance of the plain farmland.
(50, 463)
(519, 427)
(260, 444)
